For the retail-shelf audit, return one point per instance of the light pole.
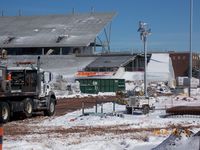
(144, 32)
(190, 65)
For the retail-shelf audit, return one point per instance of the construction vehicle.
(145, 104)
(25, 89)
(137, 101)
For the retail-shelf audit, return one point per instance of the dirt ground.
(17, 129)
(20, 126)
(66, 105)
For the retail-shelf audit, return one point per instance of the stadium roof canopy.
(110, 61)
(52, 30)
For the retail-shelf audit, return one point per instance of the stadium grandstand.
(54, 34)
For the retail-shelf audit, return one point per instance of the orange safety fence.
(91, 73)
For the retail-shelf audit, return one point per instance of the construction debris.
(174, 139)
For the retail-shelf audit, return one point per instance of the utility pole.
(144, 32)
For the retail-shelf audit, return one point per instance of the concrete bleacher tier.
(66, 65)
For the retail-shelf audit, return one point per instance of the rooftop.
(52, 30)
(110, 61)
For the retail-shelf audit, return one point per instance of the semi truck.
(25, 89)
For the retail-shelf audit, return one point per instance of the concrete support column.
(61, 51)
(42, 51)
(94, 45)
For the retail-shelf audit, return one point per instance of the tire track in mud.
(27, 129)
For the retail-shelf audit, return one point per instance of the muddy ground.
(23, 126)
(66, 105)
(19, 128)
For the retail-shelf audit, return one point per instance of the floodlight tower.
(190, 63)
(144, 32)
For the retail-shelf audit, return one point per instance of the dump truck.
(25, 89)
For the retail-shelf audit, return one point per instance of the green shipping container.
(95, 85)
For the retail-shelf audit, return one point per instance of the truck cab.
(25, 89)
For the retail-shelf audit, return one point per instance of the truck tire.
(28, 107)
(5, 112)
(129, 110)
(145, 109)
(51, 108)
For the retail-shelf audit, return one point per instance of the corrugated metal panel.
(52, 30)
(109, 61)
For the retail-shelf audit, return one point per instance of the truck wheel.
(51, 108)
(5, 112)
(145, 110)
(28, 107)
(129, 110)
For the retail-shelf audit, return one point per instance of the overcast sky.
(168, 19)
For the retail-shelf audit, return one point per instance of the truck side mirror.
(50, 76)
(42, 76)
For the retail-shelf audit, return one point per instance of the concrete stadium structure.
(53, 34)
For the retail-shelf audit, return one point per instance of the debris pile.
(160, 88)
(178, 138)
(65, 85)
(184, 98)
(153, 89)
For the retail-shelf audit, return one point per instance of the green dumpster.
(95, 85)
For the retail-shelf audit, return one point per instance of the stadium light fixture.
(144, 32)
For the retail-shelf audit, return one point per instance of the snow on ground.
(151, 120)
(166, 102)
(66, 94)
(142, 138)
(113, 125)
(87, 143)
